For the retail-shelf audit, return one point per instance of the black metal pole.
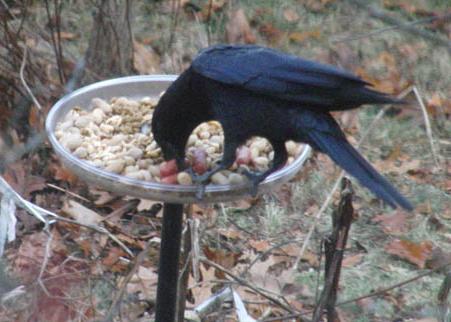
(168, 269)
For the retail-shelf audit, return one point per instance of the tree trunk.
(110, 51)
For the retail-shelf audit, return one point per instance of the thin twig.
(24, 83)
(185, 259)
(385, 290)
(382, 30)
(55, 36)
(209, 12)
(372, 294)
(41, 214)
(44, 264)
(427, 124)
(267, 251)
(195, 247)
(73, 194)
(337, 182)
(381, 15)
(242, 281)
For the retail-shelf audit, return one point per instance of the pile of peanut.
(108, 135)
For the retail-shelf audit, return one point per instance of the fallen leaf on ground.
(238, 29)
(101, 197)
(352, 260)
(60, 173)
(230, 233)
(414, 253)
(260, 275)
(65, 35)
(201, 291)
(270, 32)
(310, 258)
(226, 259)
(290, 15)
(297, 36)
(317, 5)
(145, 59)
(80, 213)
(395, 223)
(259, 245)
(113, 260)
(21, 181)
(144, 282)
(438, 258)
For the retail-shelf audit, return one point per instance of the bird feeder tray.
(137, 87)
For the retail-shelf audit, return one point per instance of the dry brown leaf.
(387, 85)
(260, 275)
(270, 32)
(438, 258)
(436, 106)
(352, 260)
(35, 119)
(65, 278)
(30, 253)
(145, 59)
(299, 37)
(244, 204)
(113, 260)
(414, 253)
(284, 195)
(144, 282)
(145, 204)
(395, 223)
(210, 7)
(130, 241)
(399, 167)
(85, 245)
(343, 55)
(21, 181)
(291, 250)
(230, 233)
(259, 245)
(80, 213)
(59, 172)
(309, 257)
(201, 292)
(64, 35)
(222, 257)
(317, 5)
(290, 15)
(102, 197)
(238, 29)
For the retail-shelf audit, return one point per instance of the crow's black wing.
(269, 72)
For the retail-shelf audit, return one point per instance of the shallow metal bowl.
(136, 87)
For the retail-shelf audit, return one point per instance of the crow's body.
(256, 91)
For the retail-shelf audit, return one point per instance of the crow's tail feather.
(348, 158)
(352, 97)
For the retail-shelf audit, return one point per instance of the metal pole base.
(168, 269)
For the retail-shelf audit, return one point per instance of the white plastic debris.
(7, 222)
(243, 316)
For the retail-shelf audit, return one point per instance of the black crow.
(256, 91)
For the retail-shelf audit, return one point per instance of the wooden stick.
(334, 249)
